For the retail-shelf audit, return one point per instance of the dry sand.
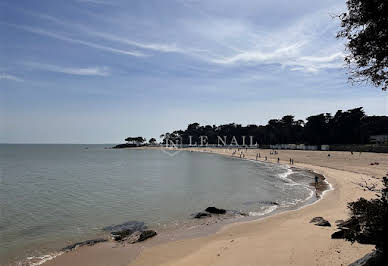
(282, 239)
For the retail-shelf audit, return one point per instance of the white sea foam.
(39, 260)
(266, 210)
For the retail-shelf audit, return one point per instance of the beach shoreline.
(197, 248)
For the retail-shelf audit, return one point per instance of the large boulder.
(215, 210)
(320, 221)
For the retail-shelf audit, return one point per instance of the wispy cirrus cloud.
(79, 71)
(5, 76)
(289, 56)
(99, 2)
(62, 37)
(299, 46)
(153, 46)
(223, 42)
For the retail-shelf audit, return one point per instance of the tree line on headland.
(345, 127)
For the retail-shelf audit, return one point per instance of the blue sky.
(97, 71)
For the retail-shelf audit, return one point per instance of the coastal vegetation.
(152, 141)
(345, 127)
(135, 140)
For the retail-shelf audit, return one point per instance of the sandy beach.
(282, 239)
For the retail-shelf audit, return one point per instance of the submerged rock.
(202, 215)
(84, 243)
(215, 210)
(319, 221)
(133, 225)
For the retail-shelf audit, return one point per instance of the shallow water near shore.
(55, 195)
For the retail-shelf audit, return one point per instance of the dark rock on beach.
(140, 236)
(121, 231)
(147, 234)
(319, 221)
(338, 235)
(215, 210)
(132, 231)
(121, 235)
(84, 243)
(202, 215)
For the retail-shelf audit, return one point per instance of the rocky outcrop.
(83, 243)
(215, 210)
(320, 221)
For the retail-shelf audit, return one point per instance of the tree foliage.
(345, 127)
(138, 140)
(365, 26)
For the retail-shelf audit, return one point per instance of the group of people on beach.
(258, 155)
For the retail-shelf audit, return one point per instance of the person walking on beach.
(257, 155)
(265, 157)
(290, 161)
(278, 159)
